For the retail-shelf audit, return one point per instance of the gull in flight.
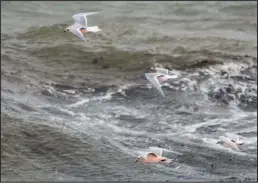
(235, 138)
(155, 156)
(80, 25)
(157, 76)
(231, 141)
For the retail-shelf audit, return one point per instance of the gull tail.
(93, 29)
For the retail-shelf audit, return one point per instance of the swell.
(54, 34)
(64, 63)
(46, 155)
(46, 51)
(72, 57)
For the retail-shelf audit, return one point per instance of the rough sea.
(74, 110)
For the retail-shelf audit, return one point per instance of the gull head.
(139, 158)
(67, 29)
(152, 69)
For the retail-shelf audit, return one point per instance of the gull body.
(80, 25)
(155, 156)
(231, 141)
(226, 142)
(152, 157)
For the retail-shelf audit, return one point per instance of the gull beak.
(137, 160)
(64, 30)
(217, 143)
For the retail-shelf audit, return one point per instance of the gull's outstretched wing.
(232, 136)
(172, 152)
(172, 76)
(150, 155)
(152, 78)
(159, 150)
(235, 138)
(162, 70)
(156, 150)
(81, 19)
(166, 72)
(228, 142)
(76, 31)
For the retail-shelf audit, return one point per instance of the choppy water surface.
(76, 111)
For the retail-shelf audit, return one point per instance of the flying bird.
(226, 142)
(157, 76)
(80, 25)
(155, 156)
(235, 138)
(152, 157)
(231, 141)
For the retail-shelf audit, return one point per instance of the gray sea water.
(72, 110)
